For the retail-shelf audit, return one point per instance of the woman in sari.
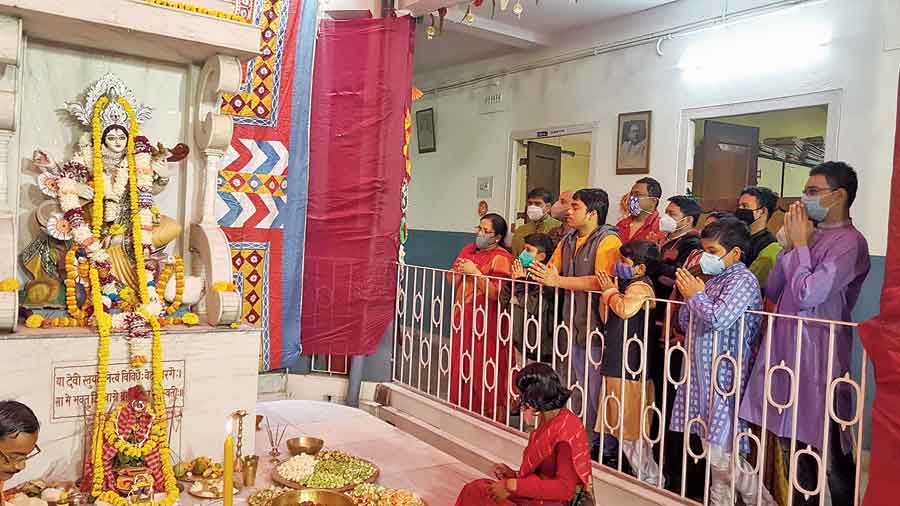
(474, 384)
(18, 439)
(556, 464)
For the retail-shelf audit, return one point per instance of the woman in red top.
(475, 332)
(556, 464)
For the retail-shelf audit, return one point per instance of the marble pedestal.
(209, 373)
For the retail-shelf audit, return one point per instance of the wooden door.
(725, 163)
(544, 166)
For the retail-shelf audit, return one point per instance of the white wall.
(442, 194)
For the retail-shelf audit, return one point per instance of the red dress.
(556, 461)
(476, 310)
(649, 231)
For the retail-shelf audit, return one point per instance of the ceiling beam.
(423, 7)
(494, 31)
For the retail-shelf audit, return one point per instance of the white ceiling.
(544, 21)
(552, 16)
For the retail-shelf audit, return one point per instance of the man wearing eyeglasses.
(818, 275)
(18, 439)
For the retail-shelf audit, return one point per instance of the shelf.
(782, 160)
(134, 27)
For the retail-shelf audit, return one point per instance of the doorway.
(558, 163)
(769, 143)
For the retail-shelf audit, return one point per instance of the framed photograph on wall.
(425, 131)
(633, 143)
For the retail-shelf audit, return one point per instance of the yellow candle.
(228, 485)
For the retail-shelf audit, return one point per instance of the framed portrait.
(425, 131)
(633, 143)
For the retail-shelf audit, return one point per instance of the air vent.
(491, 99)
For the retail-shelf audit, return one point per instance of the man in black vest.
(591, 247)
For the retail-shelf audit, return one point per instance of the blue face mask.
(624, 272)
(712, 265)
(525, 257)
(634, 205)
(814, 208)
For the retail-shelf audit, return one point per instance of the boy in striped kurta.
(713, 318)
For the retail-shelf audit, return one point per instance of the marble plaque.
(75, 386)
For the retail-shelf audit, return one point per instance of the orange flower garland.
(104, 326)
(179, 283)
(71, 302)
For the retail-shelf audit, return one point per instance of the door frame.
(830, 98)
(517, 136)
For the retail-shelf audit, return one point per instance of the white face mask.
(534, 213)
(667, 224)
(781, 237)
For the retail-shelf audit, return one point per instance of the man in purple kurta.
(818, 276)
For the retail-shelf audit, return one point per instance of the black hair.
(498, 223)
(730, 232)
(654, 189)
(16, 418)
(540, 388)
(839, 175)
(594, 199)
(543, 242)
(541, 193)
(644, 253)
(721, 215)
(688, 206)
(764, 197)
(109, 129)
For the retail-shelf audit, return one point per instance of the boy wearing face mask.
(682, 238)
(642, 222)
(819, 275)
(755, 208)
(718, 324)
(531, 301)
(624, 311)
(539, 220)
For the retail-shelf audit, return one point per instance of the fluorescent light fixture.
(727, 56)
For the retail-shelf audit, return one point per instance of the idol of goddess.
(101, 222)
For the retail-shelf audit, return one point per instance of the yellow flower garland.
(99, 185)
(71, 301)
(199, 10)
(34, 321)
(164, 278)
(104, 326)
(9, 285)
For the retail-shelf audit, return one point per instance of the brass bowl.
(307, 445)
(324, 497)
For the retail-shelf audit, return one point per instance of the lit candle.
(228, 485)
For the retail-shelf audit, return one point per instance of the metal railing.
(460, 339)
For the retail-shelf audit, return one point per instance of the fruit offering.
(265, 496)
(199, 468)
(376, 495)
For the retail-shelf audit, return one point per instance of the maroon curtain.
(361, 91)
(881, 338)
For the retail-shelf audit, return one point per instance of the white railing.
(459, 340)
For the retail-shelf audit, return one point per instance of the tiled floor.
(404, 461)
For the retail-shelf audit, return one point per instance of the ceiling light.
(764, 50)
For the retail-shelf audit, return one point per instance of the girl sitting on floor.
(556, 464)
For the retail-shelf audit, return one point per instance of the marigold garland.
(199, 10)
(164, 278)
(71, 301)
(99, 184)
(34, 321)
(9, 285)
(104, 325)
